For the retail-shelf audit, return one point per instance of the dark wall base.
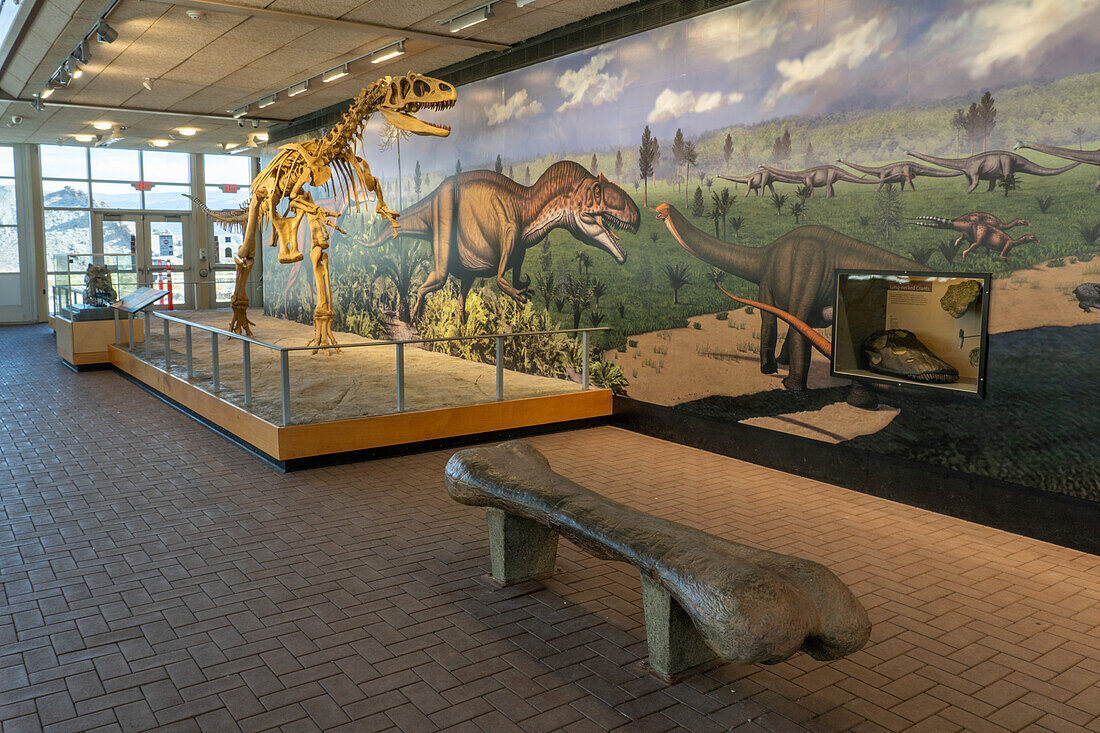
(1063, 520)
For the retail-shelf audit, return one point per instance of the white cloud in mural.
(743, 31)
(670, 105)
(847, 49)
(1004, 30)
(591, 83)
(516, 106)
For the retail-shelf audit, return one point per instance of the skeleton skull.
(406, 95)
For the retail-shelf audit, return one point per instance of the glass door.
(165, 260)
(158, 243)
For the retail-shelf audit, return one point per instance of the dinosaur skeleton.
(329, 163)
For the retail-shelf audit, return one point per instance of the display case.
(86, 284)
(926, 329)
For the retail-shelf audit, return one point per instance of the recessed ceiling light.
(103, 125)
(159, 143)
(46, 93)
(186, 131)
(84, 138)
(268, 100)
(333, 74)
(299, 88)
(389, 52)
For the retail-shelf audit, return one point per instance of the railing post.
(500, 368)
(118, 331)
(130, 325)
(148, 331)
(167, 351)
(400, 377)
(284, 374)
(247, 356)
(187, 348)
(214, 360)
(584, 360)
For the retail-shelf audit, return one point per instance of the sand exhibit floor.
(358, 382)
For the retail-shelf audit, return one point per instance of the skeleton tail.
(818, 341)
(233, 217)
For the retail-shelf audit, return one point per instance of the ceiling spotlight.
(389, 52)
(84, 138)
(302, 86)
(239, 112)
(230, 146)
(333, 74)
(261, 137)
(77, 73)
(46, 94)
(60, 78)
(81, 53)
(147, 83)
(186, 131)
(268, 100)
(523, 3)
(103, 125)
(105, 33)
(159, 143)
(473, 17)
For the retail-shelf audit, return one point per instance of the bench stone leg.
(520, 549)
(674, 643)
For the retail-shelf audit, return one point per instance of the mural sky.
(763, 60)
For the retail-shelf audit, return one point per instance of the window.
(114, 178)
(9, 231)
(228, 178)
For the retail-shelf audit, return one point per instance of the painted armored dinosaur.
(819, 176)
(481, 224)
(329, 162)
(1091, 157)
(991, 166)
(901, 171)
(980, 230)
(795, 273)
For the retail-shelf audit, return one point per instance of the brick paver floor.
(156, 576)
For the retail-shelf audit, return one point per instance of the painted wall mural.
(752, 151)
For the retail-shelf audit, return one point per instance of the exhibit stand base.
(83, 343)
(317, 443)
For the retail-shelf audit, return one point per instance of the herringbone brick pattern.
(156, 576)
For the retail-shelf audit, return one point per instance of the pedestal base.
(520, 549)
(675, 645)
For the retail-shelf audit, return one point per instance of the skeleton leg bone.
(322, 314)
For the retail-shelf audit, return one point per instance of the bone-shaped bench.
(703, 595)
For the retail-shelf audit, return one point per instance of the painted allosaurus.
(482, 223)
(329, 162)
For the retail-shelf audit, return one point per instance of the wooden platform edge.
(358, 434)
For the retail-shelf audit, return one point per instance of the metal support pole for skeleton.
(400, 377)
(214, 360)
(584, 360)
(284, 374)
(247, 358)
(500, 368)
(167, 351)
(187, 348)
(118, 332)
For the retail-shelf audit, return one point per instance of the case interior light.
(333, 74)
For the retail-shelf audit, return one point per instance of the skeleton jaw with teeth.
(407, 95)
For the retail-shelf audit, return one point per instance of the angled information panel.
(139, 300)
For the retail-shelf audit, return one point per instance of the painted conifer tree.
(649, 152)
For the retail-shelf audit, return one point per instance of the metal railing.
(285, 351)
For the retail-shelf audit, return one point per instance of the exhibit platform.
(84, 342)
(341, 405)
